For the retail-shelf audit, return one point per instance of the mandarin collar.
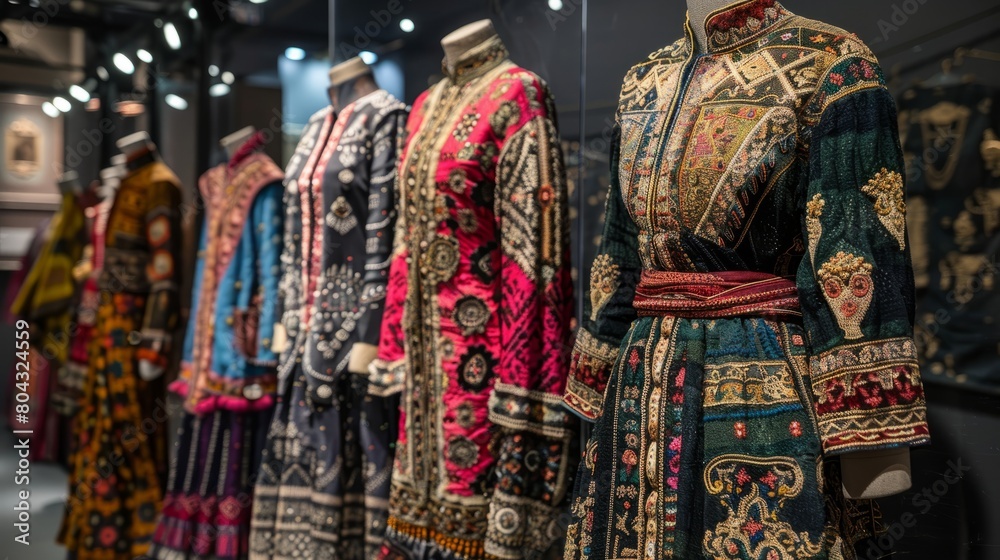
(249, 147)
(477, 61)
(740, 23)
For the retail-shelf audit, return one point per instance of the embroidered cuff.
(154, 347)
(362, 355)
(590, 368)
(869, 396)
(520, 528)
(386, 378)
(521, 409)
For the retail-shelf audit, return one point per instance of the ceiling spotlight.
(555, 5)
(102, 73)
(295, 53)
(368, 57)
(176, 101)
(50, 110)
(218, 90)
(123, 63)
(406, 24)
(193, 12)
(257, 1)
(144, 55)
(62, 104)
(213, 70)
(171, 35)
(79, 93)
(228, 77)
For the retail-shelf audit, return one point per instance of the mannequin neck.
(698, 12)
(350, 91)
(463, 39)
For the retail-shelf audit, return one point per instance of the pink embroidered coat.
(477, 318)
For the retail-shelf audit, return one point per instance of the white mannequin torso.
(458, 42)
(698, 12)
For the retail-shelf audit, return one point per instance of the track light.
(176, 101)
(79, 93)
(144, 55)
(406, 24)
(295, 53)
(123, 63)
(218, 90)
(102, 73)
(62, 104)
(193, 12)
(172, 36)
(368, 57)
(50, 110)
(228, 77)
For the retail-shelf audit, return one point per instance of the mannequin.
(868, 474)
(69, 183)
(458, 42)
(139, 150)
(698, 12)
(235, 140)
(350, 81)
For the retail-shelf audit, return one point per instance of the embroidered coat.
(477, 318)
(952, 157)
(227, 373)
(228, 362)
(751, 308)
(116, 475)
(323, 486)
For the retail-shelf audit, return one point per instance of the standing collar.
(477, 61)
(741, 22)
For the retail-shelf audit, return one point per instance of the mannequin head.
(349, 81)
(459, 41)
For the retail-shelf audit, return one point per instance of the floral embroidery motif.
(476, 368)
(340, 218)
(441, 259)
(471, 315)
(814, 228)
(506, 115)
(456, 180)
(604, 280)
(464, 129)
(886, 187)
(463, 452)
(753, 490)
(846, 281)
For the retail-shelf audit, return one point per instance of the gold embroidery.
(846, 282)
(886, 187)
(814, 228)
(965, 275)
(753, 528)
(748, 384)
(604, 280)
(943, 126)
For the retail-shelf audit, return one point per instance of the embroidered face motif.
(847, 286)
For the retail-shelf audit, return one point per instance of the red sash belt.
(714, 295)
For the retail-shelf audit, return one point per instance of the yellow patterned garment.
(751, 307)
(116, 473)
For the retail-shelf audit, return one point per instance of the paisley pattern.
(713, 425)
